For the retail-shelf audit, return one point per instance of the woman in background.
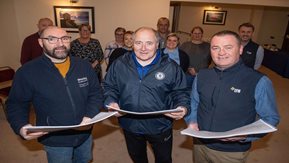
(199, 53)
(128, 42)
(88, 48)
(176, 54)
(112, 45)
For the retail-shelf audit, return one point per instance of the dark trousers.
(160, 143)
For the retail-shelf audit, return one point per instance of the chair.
(6, 77)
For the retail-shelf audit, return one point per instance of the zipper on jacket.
(70, 96)
(215, 97)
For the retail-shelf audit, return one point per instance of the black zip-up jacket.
(57, 101)
(163, 87)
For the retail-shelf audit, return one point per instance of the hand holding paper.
(85, 120)
(114, 107)
(234, 138)
(26, 134)
(177, 115)
(258, 127)
(146, 113)
(99, 117)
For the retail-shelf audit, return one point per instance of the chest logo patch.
(82, 82)
(160, 75)
(235, 90)
(248, 52)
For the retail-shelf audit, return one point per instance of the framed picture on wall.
(214, 17)
(71, 17)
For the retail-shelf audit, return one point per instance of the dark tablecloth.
(277, 61)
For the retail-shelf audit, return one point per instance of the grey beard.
(53, 55)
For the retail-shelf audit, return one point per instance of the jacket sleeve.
(18, 102)
(185, 60)
(180, 94)
(111, 90)
(266, 106)
(95, 95)
(192, 117)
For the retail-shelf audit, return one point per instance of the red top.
(30, 48)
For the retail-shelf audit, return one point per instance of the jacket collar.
(233, 68)
(47, 61)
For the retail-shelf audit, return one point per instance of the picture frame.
(71, 17)
(214, 17)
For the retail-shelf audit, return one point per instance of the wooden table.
(6, 84)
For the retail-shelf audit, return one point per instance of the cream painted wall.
(268, 21)
(274, 23)
(9, 44)
(236, 14)
(279, 3)
(22, 17)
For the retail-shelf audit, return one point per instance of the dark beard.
(52, 53)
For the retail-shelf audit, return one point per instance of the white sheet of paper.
(145, 113)
(99, 117)
(257, 127)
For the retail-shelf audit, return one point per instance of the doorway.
(285, 46)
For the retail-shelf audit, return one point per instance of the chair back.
(6, 74)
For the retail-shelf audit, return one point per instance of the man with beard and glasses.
(64, 91)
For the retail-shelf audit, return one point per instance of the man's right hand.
(30, 135)
(194, 126)
(115, 105)
(192, 71)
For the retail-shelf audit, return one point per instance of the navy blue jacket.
(163, 87)
(57, 101)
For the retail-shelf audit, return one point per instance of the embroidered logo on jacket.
(82, 82)
(160, 75)
(248, 52)
(235, 90)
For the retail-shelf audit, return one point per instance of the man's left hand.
(235, 138)
(84, 121)
(178, 115)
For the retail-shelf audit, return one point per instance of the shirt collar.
(157, 58)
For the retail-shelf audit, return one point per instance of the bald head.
(53, 31)
(44, 23)
(148, 29)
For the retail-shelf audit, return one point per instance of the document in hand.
(145, 113)
(258, 127)
(99, 117)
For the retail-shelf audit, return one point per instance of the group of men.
(64, 90)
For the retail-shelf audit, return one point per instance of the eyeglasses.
(54, 40)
